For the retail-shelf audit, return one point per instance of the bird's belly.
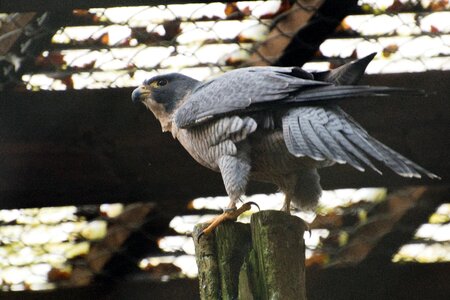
(271, 158)
(269, 166)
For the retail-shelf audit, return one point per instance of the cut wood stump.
(261, 260)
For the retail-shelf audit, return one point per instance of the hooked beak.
(137, 94)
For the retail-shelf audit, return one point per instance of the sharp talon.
(255, 204)
(200, 235)
(229, 214)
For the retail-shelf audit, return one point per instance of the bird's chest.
(198, 147)
(209, 142)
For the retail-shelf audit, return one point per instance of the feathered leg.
(235, 171)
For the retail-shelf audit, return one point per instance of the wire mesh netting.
(120, 47)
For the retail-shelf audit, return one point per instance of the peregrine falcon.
(272, 124)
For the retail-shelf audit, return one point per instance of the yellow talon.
(230, 214)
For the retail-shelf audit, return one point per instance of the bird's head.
(163, 94)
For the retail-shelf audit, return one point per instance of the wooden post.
(207, 263)
(263, 260)
(233, 242)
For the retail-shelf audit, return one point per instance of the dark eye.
(161, 82)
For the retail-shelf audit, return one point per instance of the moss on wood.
(261, 260)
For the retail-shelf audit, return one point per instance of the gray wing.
(260, 88)
(240, 88)
(329, 133)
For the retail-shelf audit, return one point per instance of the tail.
(344, 79)
(347, 74)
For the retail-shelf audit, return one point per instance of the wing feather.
(342, 151)
(398, 163)
(367, 144)
(300, 145)
(300, 138)
(352, 151)
(406, 161)
(329, 133)
(314, 141)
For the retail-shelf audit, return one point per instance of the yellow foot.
(229, 214)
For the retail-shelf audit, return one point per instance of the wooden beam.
(403, 231)
(297, 34)
(393, 281)
(304, 45)
(140, 288)
(398, 281)
(100, 253)
(55, 5)
(11, 30)
(95, 146)
(377, 239)
(284, 29)
(22, 38)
